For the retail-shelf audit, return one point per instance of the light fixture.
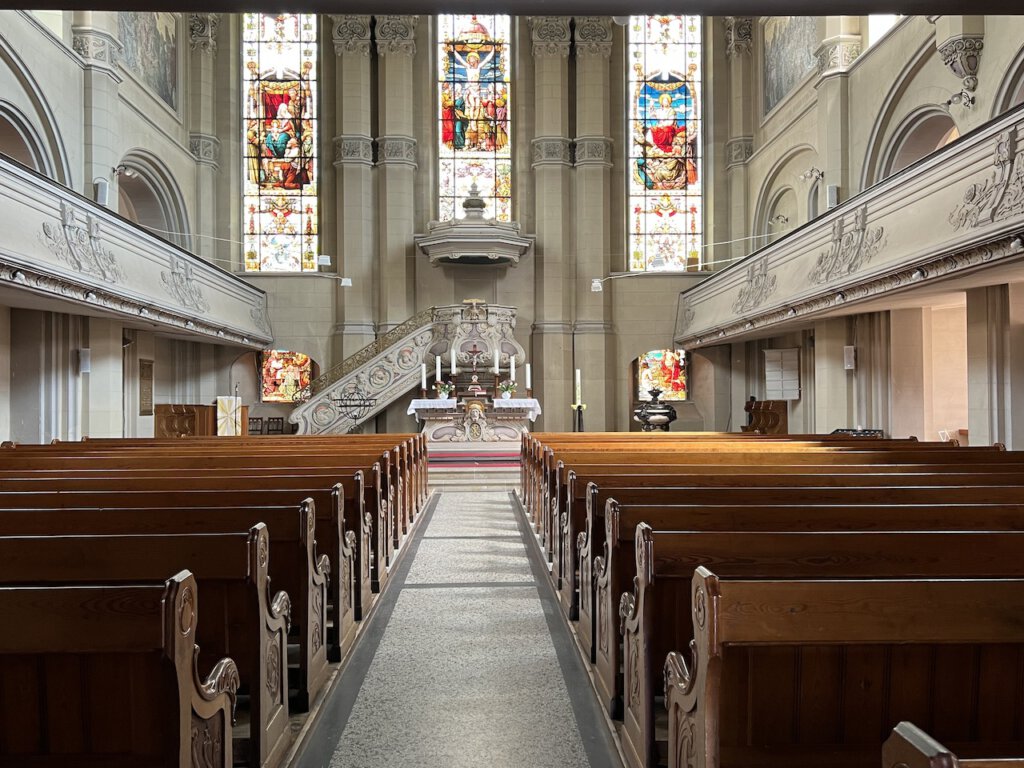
(220, 332)
(919, 274)
(596, 286)
(1017, 241)
(124, 170)
(18, 276)
(965, 98)
(791, 312)
(840, 297)
(721, 334)
(89, 296)
(812, 173)
(749, 325)
(323, 260)
(699, 340)
(345, 282)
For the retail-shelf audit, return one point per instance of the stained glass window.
(284, 373)
(666, 206)
(475, 144)
(279, 123)
(663, 369)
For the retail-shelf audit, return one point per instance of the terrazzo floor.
(474, 666)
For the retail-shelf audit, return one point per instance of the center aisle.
(467, 661)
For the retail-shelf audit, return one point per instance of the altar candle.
(423, 375)
(437, 367)
(497, 360)
(512, 368)
(454, 369)
(579, 388)
(529, 379)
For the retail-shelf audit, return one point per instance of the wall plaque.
(145, 387)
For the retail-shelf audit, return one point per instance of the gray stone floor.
(466, 672)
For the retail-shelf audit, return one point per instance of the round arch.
(1011, 90)
(149, 196)
(771, 191)
(921, 133)
(19, 140)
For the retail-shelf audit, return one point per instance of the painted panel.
(150, 52)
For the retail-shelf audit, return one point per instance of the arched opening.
(781, 215)
(148, 196)
(921, 136)
(18, 141)
(812, 201)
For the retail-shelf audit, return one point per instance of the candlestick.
(529, 379)
(512, 368)
(423, 376)
(437, 367)
(454, 369)
(579, 388)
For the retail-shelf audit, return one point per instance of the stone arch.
(1011, 90)
(149, 196)
(20, 141)
(921, 133)
(780, 179)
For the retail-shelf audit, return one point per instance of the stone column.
(396, 160)
(353, 163)
(840, 46)
(202, 139)
(740, 144)
(910, 347)
(554, 289)
(833, 407)
(94, 38)
(104, 395)
(592, 332)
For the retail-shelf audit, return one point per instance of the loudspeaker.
(849, 358)
(84, 360)
(831, 195)
(101, 191)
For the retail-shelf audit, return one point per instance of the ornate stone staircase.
(366, 383)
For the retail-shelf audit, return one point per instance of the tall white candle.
(454, 369)
(497, 361)
(529, 379)
(437, 367)
(512, 368)
(423, 375)
(579, 388)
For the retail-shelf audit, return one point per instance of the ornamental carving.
(96, 48)
(739, 32)
(593, 37)
(999, 197)
(202, 31)
(79, 245)
(633, 672)
(700, 608)
(684, 317)
(259, 317)
(551, 151)
(738, 151)
(205, 149)
(837, 55)
(351, 34)
(396, 35)
(317, 620)
(686, 740)
(850, 249)
(397, 149)
(273, 671)
(758, 287)
(962, 55)
(180, 283)
(186, 611)
(550, 35)
(353, 150)
(593, 151)
(207, 742)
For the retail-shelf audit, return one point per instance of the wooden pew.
(239, 612)
(724, 708)
(107, 676)
(910, 747)
(298, 569)
(656, 613)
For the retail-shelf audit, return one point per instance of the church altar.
(474, 419)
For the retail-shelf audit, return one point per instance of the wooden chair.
(255, 425)
(275, 425)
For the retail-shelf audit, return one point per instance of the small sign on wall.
(145, 387)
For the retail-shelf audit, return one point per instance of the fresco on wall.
(787, 55)
(150, 43)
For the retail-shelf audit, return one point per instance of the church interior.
(644, 387)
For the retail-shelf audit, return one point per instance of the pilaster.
(553, 333)
(840, 46)
(740, 144)
(203, 142)
(94, 39)
(833, 384)
(396, 162)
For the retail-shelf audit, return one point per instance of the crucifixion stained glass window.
(279, 123)
(475, 144)
(666, 204)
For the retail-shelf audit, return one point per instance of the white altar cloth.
(528, 403)
(430, 404)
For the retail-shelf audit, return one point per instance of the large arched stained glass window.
(665, 154)
(475, 144)
(279, 121)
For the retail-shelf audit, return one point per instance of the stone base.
(475, 426)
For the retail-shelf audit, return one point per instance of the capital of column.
(593, 37)
(396, 35)
(396, 150)
(351, 34)
(551, 35)
(99, 50)
(205, 148)
(739, 33)
(836, 54)
(594, 150)
(551, 150)
(962, 55)
(202, 31)
(353, 150)
(738, 151)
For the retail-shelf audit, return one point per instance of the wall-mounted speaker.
(831, 195)
(849, 358)
(84, 360)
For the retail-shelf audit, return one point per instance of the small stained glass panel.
(665, 215)
(663, 369)
(284, 374)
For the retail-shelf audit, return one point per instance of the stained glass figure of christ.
(665, 195)
(474, 111)
(280, 206)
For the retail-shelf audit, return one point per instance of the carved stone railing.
(82, 258)
(389, 368)
(955, 211)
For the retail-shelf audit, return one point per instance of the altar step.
(474, 479)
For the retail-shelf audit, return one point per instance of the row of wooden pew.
(106, 547)
(753, 600)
